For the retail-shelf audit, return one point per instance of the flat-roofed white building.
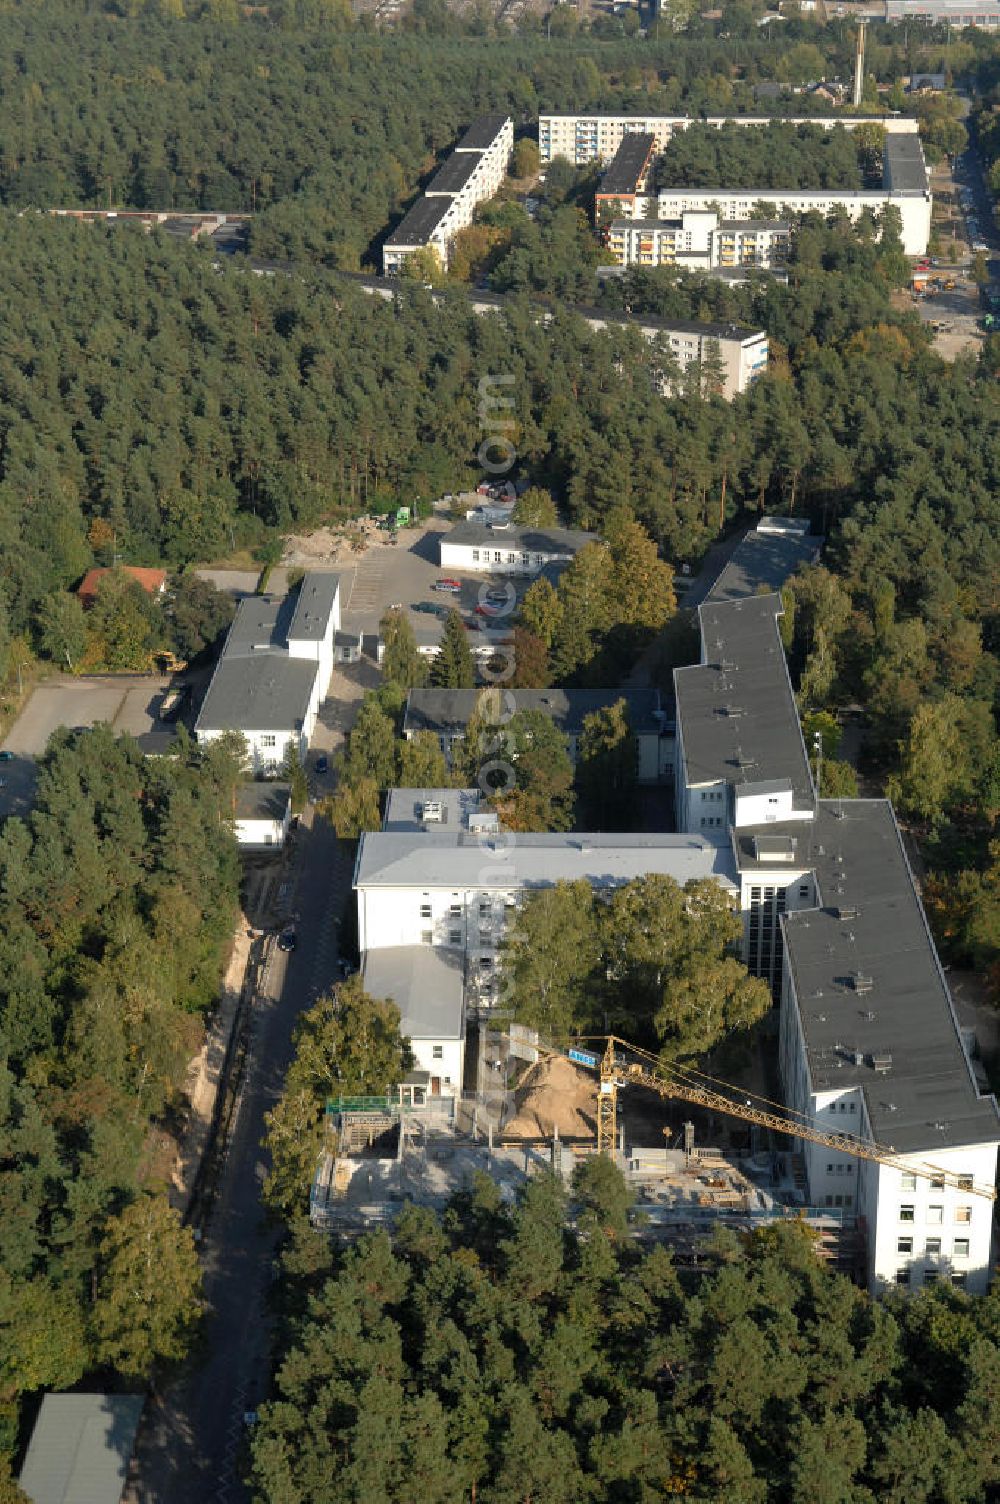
(273, 672)
(427, 985)
(484, 548)
(869, 1044)
(699, 241)
(587, 138)
(473, 172)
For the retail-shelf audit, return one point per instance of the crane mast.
(616, 1073)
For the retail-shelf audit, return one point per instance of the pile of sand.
(555, 1095)
(331, 545)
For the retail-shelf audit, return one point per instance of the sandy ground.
(555, 1095)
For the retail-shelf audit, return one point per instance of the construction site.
(384, 1154)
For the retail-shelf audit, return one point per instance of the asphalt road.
(192, 1442)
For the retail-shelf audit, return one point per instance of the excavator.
(621, 1065)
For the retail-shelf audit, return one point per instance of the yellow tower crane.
(623, 1064)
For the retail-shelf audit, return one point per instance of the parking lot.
(128, 703)
(405, 574)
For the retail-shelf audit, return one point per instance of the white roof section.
(425, 809)
(427, 984)
(80, 1448)
(538, 860)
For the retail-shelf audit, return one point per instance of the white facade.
(740, 203)
(477, 548)
(595, 138)
(443, 210)
(916, 1229)
(698, 241)
(273, 673)
(263, 816)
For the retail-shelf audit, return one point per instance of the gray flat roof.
(419, 222)
(261, 622)
(448, 711)
(80, 1448)
(628, 163)
(453, 174)
(736, 713)
(266, 693)
(905, 168)
(871, 924)
(537, 860)
(482, 132)
(314, 605)
(550, 540)
(764, 559)
(260, 800)
(404, 808)
(427, 984)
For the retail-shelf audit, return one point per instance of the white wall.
(261, 835)
(444, 1059)
(941, 1215)
(395, 916)
(914, 209)
(483, 558)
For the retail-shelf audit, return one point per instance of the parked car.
(453, 586)
(6, 756)
(322, 763)
(287, 940)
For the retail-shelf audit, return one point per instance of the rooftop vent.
(861, 982)
(882, 1062)
(432, 813)
(846, 913)
(732, 710)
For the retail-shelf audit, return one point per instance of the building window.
(960, 1278)
(804, 890)
(455, 937)
(935, 1214)
(908, 1181)
(932, 1247)
(964, 1182)
(497, 556)
(902, 1276)
(437, 1052)
(963, 1214)
(425, 911)
(269, 741)
(937, 1182)
(930, 1277)
(961, 1248)
(904, 1245)
(447, 1080)
(456, 910)
(906, 1214)
(426, 937)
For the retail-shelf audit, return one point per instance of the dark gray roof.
(266, 693)
(80, 1448)
(419, 223)
(905, 168)
(261, 800)
(452, 175)
(261, 622)
(482, 132)
(783, 225)
(314, 605)
(764, 559)
(628, 164)
(548, 540)
(447, 711)
(872, 927)
(736, 713)
(427, 984)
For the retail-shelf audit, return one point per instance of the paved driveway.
(128, 702)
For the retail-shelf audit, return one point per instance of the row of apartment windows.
(484, 556)
(903, 1277)
(935, 1213)
(908, 1181)
(932, 1247)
